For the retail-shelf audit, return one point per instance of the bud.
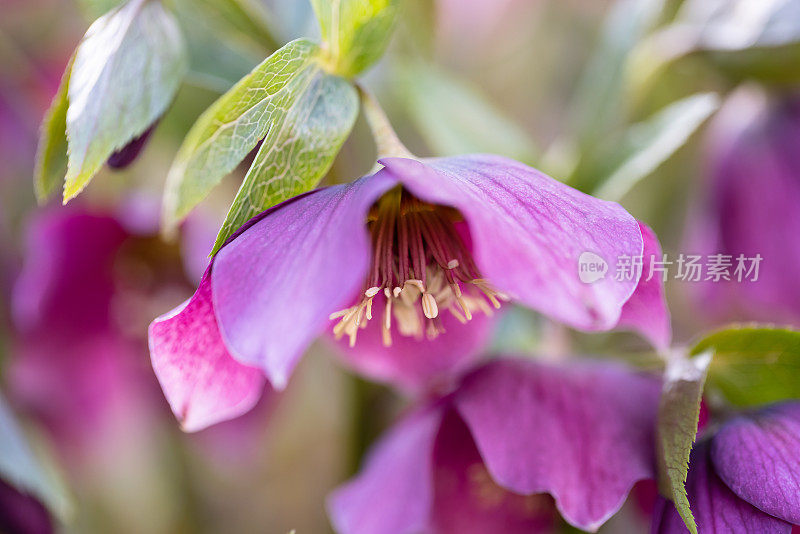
(125, 155)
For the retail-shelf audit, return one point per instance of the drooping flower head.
(745, 477)
(418, 251)
(512, 431)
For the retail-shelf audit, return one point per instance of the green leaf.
(456, 119)
(243, 20)
(356, 32)
(650, 143)
(754, 365)
(218, 59)
(51, 152)
(598, 105)
(92, 9)
(678, 416)
(300, 147)
(741, 24)
(744, 39)
(233, 125)
(126, 72)
(20, 467)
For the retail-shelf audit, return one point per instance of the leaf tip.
(71, 190)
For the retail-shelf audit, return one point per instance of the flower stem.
(387, 143)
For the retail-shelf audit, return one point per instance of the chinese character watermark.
(684, 267)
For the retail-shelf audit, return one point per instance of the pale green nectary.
(125, 74)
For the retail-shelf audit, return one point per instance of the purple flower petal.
(646, 311)
(582, 433)
(275, 284)
(529, 231)
(104, 383)
(758, 457)
(201, 381)
(393, 492)
(22, 513)
(139, 213)
(415, 365)
(66, 283)
(468, 501)
(198, 233)
(716, 509)
(754, 134)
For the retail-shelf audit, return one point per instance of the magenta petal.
(201, 381)
(66, 283)
(529, 230)
(22, 513)
(646, 311)
(393, 493)
(716, 509)
(758, 458)
(415, 365)
(198, 234)
(276, 283)
(582, 433)
(468, 501)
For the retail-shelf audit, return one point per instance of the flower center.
(421, 267)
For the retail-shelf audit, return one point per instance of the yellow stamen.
(422, 267)
(429, 307)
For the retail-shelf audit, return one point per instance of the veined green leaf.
(233, 125)
(754, 365)
(356, 32)
(456, 119)
(51, 152)
(126, 72)
(20, 467)
(301, 144)
(648, 144)
(678, 416)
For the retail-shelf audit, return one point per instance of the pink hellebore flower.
(414, 251)
(480, 459)
(80, 306)
(745, 477)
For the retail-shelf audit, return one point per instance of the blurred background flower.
(747, 206)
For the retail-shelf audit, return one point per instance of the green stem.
(387, 143)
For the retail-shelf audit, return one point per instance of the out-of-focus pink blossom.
(749, 209)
